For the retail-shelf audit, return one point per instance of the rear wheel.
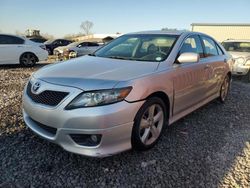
(149, 123)
(28, 59)
(224, 89)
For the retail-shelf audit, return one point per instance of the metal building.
(223, 31)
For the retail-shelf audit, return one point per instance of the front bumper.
(240, 69)
(113, 122)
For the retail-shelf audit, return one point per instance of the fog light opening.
(94, 138)
(86, 139)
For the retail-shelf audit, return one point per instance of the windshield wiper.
(117, 57)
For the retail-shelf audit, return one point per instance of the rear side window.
(7, 39)
(65, 42)
(210, 47)
(192, 44)
(93, 44)
(83, 44)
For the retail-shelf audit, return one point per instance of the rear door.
(93, 47)
(11, 48)
(83, 49)
(189, 77)
(214, 62)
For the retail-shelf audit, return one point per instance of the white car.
(80, 49)
(16, 49)
(240, 50)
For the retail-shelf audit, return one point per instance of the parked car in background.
(83, 48)
(16, 49)
(240, 50)
(127, 92)
(62, 52)
(38, 39)
(54, 43)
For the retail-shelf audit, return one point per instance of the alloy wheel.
(151, 124)
(224, 89)
(28, 59)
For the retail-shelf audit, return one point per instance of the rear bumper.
(43, 55)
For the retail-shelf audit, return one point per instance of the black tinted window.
(65, 42)
(93, 44)
(83, 44)
(210, 46)
(7, 39)
(192, 44)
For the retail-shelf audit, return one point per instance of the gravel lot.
(208, 148)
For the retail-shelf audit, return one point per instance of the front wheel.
(224, 89)
(149, 123)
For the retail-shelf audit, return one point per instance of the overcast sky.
(61, 17)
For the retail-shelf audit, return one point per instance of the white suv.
(16, 49)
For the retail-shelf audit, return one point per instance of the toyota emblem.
(36, 86)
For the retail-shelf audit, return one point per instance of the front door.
(189, 80)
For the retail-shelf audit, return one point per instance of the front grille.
(50, 130)
(48, 97)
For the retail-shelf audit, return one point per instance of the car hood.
(90, 73)
(240, 54)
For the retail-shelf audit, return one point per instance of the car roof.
(167, 32)
(173, 32)
(23, 37)
(237, 40)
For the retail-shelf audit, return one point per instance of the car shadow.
(37, 65)
(197, 151)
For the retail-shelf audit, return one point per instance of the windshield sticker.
(158, 59)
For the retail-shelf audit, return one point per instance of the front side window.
(83, 44)
(192, 44)
(219, 50)
(237, 46)
(210, 46)
(6, 39)
(139, 47)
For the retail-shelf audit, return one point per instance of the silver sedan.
(127, 92)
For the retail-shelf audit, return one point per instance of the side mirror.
(188, 58)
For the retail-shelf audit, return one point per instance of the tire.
(147, 131)
(28, 59)
(224, 90)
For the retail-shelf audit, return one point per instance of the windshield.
(139, 47)
(237, 46)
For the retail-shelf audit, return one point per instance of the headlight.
(247, 63)
(99, 97)
(240, 60)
